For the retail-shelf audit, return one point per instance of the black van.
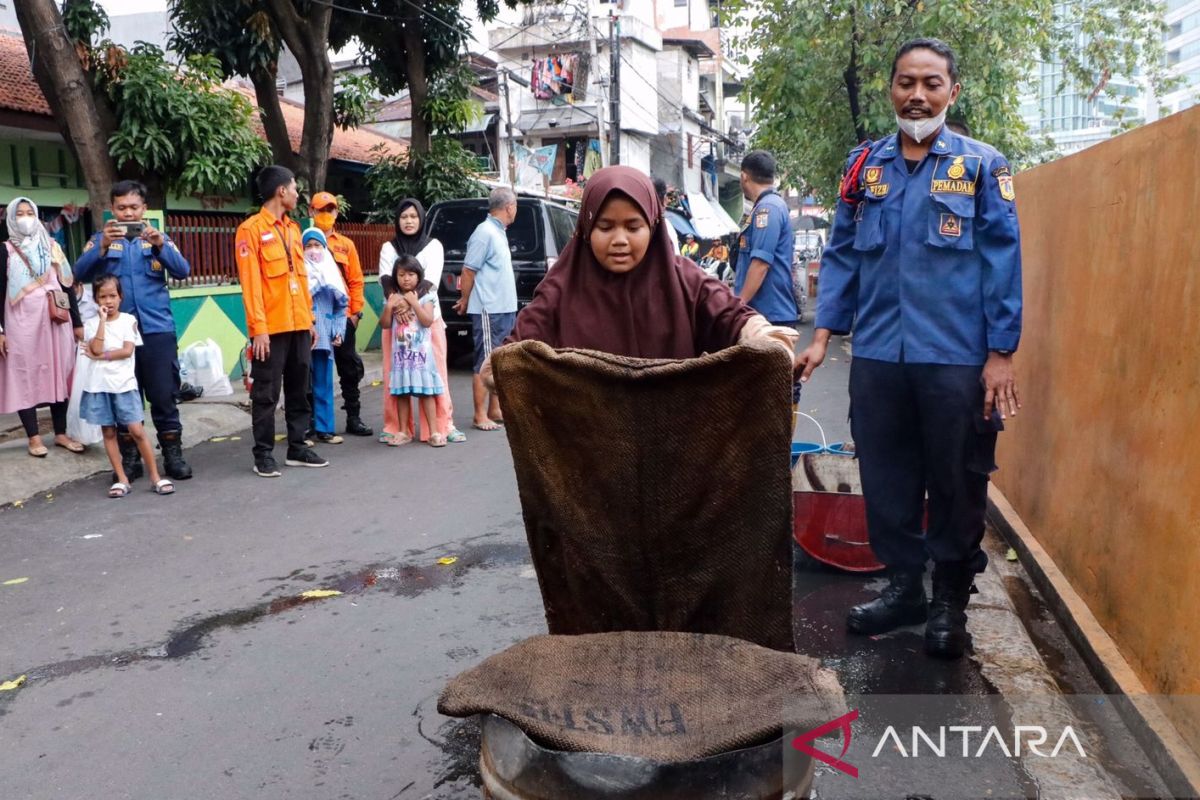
(540, 232)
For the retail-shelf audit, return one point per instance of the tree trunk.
(853, 88)
(308, 39)
(272, 119)
(68, 92)
(412, 39)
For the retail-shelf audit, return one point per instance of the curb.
(1172, 757)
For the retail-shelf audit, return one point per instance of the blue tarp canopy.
(681, 224)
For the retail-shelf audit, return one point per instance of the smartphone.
(133, 229)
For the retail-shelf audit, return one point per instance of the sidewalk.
(22, 476)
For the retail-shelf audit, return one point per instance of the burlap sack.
(656, 494)
(660, 696)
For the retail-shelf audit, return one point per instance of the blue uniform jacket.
(927, 267)
(768, 236)
(143, 273)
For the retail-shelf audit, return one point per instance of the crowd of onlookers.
(96, 342)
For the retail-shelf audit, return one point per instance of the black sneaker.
(305, 458)
(265, 467)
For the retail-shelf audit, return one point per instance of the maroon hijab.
(664, 308)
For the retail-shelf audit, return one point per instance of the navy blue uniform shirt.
(768, 236)
(143, 271)
(926, 268)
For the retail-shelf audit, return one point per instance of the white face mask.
(314, 256)
(27, 225)
(919, 129)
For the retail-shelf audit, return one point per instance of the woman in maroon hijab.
(618, 286)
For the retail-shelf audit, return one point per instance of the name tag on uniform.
(116, 247)
(955, 175)
(879, 189)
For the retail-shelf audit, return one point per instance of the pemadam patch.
(955, 175)
(243, 249)
(950, 226)
(1005, 182)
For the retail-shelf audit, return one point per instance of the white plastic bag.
(77, 428)
(201, 364)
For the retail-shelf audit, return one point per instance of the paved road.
(170, 653)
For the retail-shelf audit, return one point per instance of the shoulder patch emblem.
(90, 244)
(762, 218)
(1004, 170)
(243, 249)
(1006, 187)
(872, 175)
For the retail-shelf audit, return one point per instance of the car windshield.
(454, 224)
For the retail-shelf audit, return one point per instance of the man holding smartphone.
(143, 258)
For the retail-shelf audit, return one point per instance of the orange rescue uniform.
(270, 261)
(346, 256)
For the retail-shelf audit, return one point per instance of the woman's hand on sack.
(3, 346)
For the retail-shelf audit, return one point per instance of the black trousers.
(156, 365)
(919, 430)
(350, 371)
(286, 369)
(58, 415)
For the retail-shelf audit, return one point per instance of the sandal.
(118, 489)
(71, 445)
(163, 486)
(397, 439)
(437, 440)
(456, 436)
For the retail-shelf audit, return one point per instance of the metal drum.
(514, 767)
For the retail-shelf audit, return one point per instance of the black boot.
(131, 459)
(902, 602)
(171, 443)
(946, 632)
(356, 427)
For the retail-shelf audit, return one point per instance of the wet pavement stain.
(400, 580)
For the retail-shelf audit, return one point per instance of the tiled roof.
(18, 90)
(351, 145)
(401, 109)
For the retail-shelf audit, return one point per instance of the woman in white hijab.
(37, 341)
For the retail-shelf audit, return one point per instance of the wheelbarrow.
(830, 514)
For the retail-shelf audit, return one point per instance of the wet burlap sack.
(656, 494)
(655, 695)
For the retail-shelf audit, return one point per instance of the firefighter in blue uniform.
(924, 264)
(144, 264)
(763, 276)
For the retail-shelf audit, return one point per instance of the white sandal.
(163, 486)
(118, 489)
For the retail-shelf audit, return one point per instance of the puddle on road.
(401, 580)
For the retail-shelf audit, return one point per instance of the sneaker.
(305, 458)
(265, 467)
(328, 438)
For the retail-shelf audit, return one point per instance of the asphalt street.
(170, 652)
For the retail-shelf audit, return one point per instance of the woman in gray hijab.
(37, 340)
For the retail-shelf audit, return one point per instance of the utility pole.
(614, 87)
(511, 156)
(594, 77)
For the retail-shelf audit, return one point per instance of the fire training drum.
(830, 522)
(514, 767)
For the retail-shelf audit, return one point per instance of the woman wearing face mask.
(413, 239)
(37, 341)
(619, 287)
(330, 300)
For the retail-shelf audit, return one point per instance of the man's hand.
(353, 320)
(262, 347)
(812, 356)
(1000, 387)
(111, 232)
(3, 346)
(461, 306)
(313, 331)
(153, 236)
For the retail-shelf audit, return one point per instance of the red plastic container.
(830, 513)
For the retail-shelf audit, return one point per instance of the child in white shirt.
(110, 390)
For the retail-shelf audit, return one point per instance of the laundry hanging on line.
(554, 77)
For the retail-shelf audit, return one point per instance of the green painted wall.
(217, 313)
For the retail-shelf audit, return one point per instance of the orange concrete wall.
(1103, 462)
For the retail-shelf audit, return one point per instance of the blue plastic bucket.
(800, 448)
(839, 449)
